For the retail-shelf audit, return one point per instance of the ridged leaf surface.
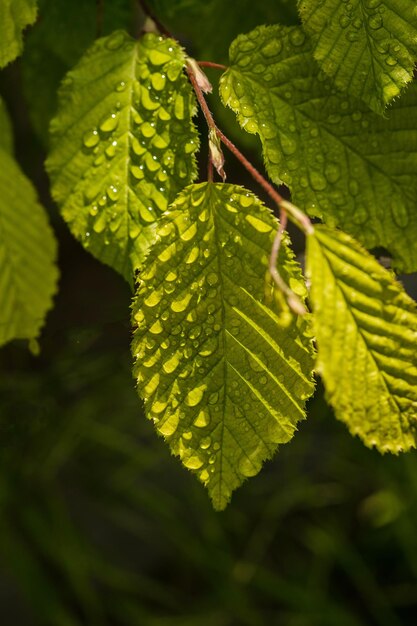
(123, 144)
(342, 162)
(28, 274)
(368, 47)
(15, 16)
(224, 381)
(366, 329)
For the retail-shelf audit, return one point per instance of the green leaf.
(6, 133)
(366, 329)
(222, 378)
(367, 46)
(28, 274)
(122, 144)
(15, 16)
(342, 162)
(63, 33)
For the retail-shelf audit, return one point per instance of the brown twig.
(216, 66)
(286, 208)
(143, 5)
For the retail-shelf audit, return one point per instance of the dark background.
(99, 526)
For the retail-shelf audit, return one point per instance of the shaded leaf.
(15, 16)
(368, 47)
(123, 144)
(28, 274)
(342, 162)
(366, 329)
(224, 381)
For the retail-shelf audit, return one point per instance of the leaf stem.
(287, 209)
(201, 99)
(216, 66)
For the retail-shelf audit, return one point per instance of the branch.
(199, 82)
(146, 10)
(216, 66)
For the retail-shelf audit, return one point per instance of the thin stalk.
(146, 10)
(286, 208)
(216, 66)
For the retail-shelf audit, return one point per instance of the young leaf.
(368, 48)
(366, 329)
(342, 162)
(222, 378)
(123, 144)
(15, 16)
(28, 275)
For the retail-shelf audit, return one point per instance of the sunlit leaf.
(123, 144)
(368, 47)
(223, 379)
(15, 16)
(341, 161)
(28, 274)
(366, 329)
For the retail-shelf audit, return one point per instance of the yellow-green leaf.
(122, 144)
(223, 380)
(28, 274)
(368, 47)
(342, 162)
(15, 16)
(366, 329)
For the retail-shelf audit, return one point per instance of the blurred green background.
(99, 526)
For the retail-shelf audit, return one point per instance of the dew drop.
(151, 386)
(171, 364)
(180, 305)
(204, 476)
(297, 37)
(147, 130)
(194, 397)
(375, 22)
(153, 299)
(112, 193)
(156, 328)
(110, 123)
(91, 139)
(169, 426)
(202, 420)
(318, 182)
(399, 213)
(157, 57)
(271, 49)
(193, 462)
(259, 225)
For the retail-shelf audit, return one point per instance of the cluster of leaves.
(223, 363)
